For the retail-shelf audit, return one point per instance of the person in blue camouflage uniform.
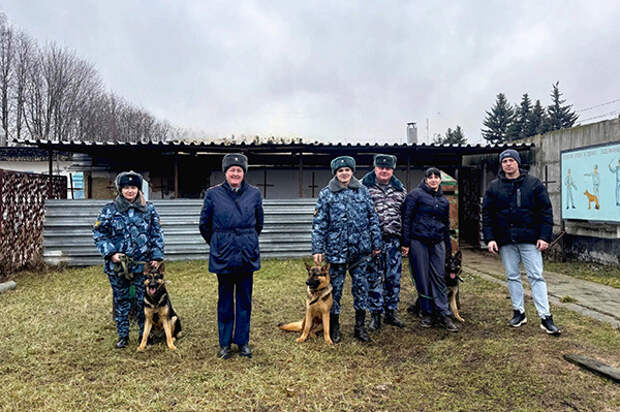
(388, 195)
(128, 226)
(345, 231)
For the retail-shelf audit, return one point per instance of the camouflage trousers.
(123, 303)
(359, 283)
(384, 277)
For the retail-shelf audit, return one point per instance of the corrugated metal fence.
(68, 229)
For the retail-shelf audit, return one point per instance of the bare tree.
(51, 94)
(23, 61)
(7, 53)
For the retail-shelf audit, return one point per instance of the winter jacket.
(345, 227)
(230, 223)
(516, 210)
(426, 216)
(388, 200)
(129, 228)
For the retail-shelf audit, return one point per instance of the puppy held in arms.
(318, 304)
(158, 309)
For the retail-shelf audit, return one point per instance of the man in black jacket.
(518, 222)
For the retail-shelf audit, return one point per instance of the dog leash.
(363, 259)
(121, 268)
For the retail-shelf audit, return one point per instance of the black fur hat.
(342, 161)
(235, 159)
(385, 160)
(130, 178)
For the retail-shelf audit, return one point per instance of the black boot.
(448, 324)
(334, 328)
(360, 327)
(375, 321)
(391, 318)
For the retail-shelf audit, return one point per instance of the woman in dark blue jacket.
(230, 222)
(426, 234)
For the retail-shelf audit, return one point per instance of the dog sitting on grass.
(158, 310)
(318, 304)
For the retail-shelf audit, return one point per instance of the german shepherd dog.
(157, 308)
(453, 277)
(592, 198)
(318, 304)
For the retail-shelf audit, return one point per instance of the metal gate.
(470, 201)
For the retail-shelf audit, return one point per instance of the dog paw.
(299, 340)
(140, 349)
(329, 341)
(172, 347)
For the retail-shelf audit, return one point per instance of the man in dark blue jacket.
(230, 222)
(518, 222)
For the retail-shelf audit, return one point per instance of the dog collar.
(323, 293)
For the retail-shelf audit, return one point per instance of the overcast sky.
(338, 70)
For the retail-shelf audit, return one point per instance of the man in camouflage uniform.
(388, 195)
(128, 226)
(345, 231)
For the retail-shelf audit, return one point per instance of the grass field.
(56, 353)
(594, 272)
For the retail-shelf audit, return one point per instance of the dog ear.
(458, 254)
(325, 269)
(308, 266)
(161, 267)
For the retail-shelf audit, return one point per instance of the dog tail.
(292, 327)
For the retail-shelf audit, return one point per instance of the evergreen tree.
(560, 117)
(538, 122)
(498, 120)
(451, 137)
(519, 127)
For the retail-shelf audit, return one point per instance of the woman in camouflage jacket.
(127, 231)
(345, 231)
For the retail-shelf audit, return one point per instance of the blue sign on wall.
(591, 183)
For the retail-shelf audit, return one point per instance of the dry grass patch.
(56, 353)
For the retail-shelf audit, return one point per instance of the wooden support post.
(51, 171)
(301, 175)
(408, 172)
(176, 175)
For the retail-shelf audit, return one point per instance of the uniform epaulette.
(214, 187)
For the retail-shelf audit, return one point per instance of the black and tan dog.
(453, 277)
(318, 304)
(158, 309)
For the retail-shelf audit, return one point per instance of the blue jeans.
(512, 256)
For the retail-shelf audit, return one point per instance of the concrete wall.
(599, 242)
